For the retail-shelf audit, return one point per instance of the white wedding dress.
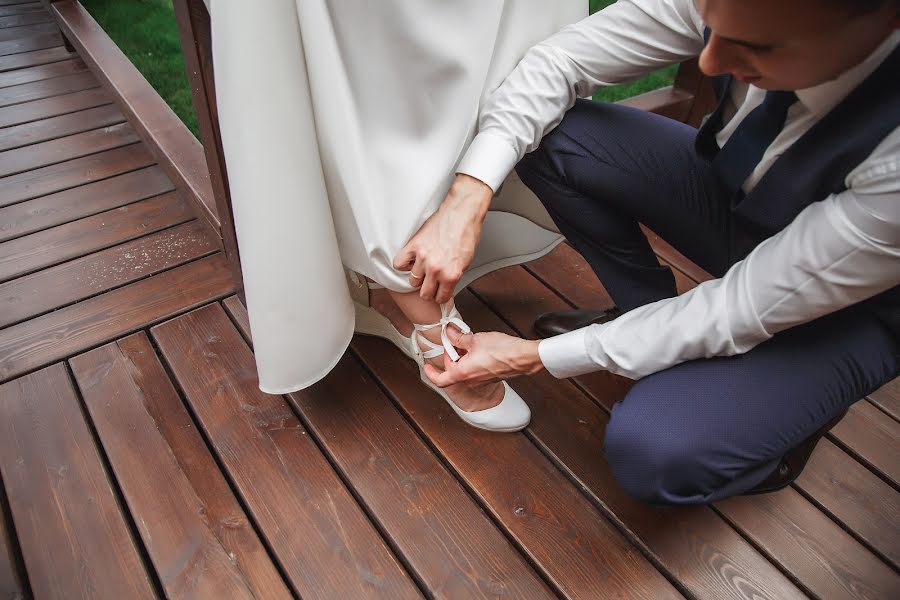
(342, 123)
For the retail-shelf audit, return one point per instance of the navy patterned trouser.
(706, 429)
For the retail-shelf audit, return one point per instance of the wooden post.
(196, 42)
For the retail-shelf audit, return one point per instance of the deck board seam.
(115, 287)
(118, 495)
(207, 443)
(466, 487)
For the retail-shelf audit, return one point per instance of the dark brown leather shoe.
(564, 321)
(792, 462)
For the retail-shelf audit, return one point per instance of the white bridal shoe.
(512, 414)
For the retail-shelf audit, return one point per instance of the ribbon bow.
(449, 315)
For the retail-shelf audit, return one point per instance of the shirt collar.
(821, 98)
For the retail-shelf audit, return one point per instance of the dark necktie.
(746, 146)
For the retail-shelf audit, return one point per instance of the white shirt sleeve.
(618, 44)
(837, 252)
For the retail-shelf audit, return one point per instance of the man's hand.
(442, 249)
(488, 357)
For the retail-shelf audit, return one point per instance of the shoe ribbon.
(449, 315)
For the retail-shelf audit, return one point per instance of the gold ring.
(414, 276)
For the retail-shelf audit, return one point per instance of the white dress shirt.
(839, 251)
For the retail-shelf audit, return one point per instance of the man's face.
(789, 44)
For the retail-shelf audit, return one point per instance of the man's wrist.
(469, 194)
(530, 358)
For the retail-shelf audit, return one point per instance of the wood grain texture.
(12, 586)
(26, 19)
(873, 438)
(571, 541)
(193, 554)
(67, 148)
(49, 247)
(46, 108)
(83, 201)
(28, 44)
(25, 31)
(58, 127)
(38, 73)
(34, 58)
(693, 544)
(24, 8)
(887, 398)
(275, 466)
(74, 539)
(856, 497)
(65, 332)
(824, 557)
(73, 173)
(47, 88)
(444, 536)
(59, 286)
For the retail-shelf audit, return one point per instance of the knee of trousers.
(652, 462)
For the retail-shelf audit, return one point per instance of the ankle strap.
(449, 314)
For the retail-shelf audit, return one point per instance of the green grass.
(147, 33)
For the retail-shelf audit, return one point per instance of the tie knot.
(778, 101)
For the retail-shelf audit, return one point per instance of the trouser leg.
(708, 429)
(607, 168)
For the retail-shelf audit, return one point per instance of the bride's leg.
(416, 310)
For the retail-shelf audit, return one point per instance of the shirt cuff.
(489, 158)
(566, 355)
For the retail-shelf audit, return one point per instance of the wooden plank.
(12, 577)
(26, 19)
(58, 244)
(49, 289)
(51, 107)
(562, 533)
(873, 438)
(65, 332)
(67, 148)
(459, 553)
(167, 484)
(39, 73)
(693, 544)
(14, 2)
(73, 173)
(34, 58)
(520, 301)
(59, 127)
(76, 203)
(175, 147)
(837, 485)
(74, 538)
(829, 562)
(325, 543)
(36, 90)
(26, 31)
(35, 42)
(30, 7)
(887, 398)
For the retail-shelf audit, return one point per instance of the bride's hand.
(442, 249)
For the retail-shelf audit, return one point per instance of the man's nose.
(719, 57)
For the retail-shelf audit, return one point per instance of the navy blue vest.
(815, 166)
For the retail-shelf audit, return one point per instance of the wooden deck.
(139, 459)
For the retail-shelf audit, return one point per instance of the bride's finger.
(404, 259)
(444, 293)
(429, 286)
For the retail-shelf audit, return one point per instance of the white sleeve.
(837, 252)
(618, 44)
